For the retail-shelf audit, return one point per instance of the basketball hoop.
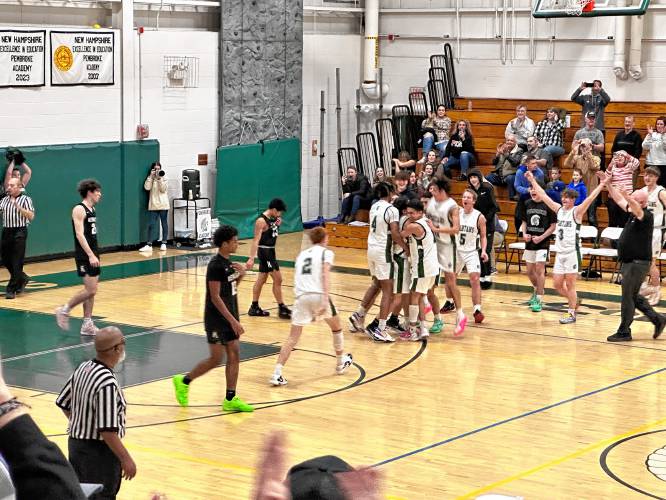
(577, 7)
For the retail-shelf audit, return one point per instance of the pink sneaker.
(406, 335)
(460, 327)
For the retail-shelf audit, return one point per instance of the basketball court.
(520, 405)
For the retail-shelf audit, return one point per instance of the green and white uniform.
(402, 276)
(380, 244)
(439, 213)
(468, 242)
(567, 243)
(423, 258)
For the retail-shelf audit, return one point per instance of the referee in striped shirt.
(94, 403)
(17, 213)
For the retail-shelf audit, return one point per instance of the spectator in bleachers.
(622, 168)
(550, 133)
(413, 182)
(402, 186)
(589, 131)
(380, 176)
(436, 126)
(578, 185)
(521, 126)
(629, 139)
(522, 185)
(356, 194)
(555, 187)
(506, 161)
(582, 158)
(487, 205)
(404, 161)
(594, 102)
(425, 178)
(544, 158)
(655, 144)
(460, 150)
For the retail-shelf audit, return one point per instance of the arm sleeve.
(647, 142)
(605, 98)
(329, 257)
(162, 183)
(575, 97)
(148, 184)
(64, 399)
(107, 413)
(38, 467)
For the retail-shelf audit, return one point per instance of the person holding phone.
(594, 102)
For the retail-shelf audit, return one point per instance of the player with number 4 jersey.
(311, 286)
(382, 236)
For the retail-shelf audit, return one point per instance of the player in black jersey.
(266, 230)
(86, 255)
(221, 322)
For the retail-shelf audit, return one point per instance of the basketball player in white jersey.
(444, 216)
(381, 237)
(311, 287)
(423, 262)
(402, 276)
(567, 241)
(470, 239)
(656, 203)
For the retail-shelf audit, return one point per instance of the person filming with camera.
(158, 207)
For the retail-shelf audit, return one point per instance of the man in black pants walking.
(635, 253)
(17, 213)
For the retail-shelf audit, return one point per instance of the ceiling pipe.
(370, 85)
(620, 41)
(635, 69)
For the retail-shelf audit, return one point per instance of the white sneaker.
(356, 322)
(277, 380)
(89, 329)
(347, 361)
(146, 248)
(163, 247)
(385, 335)
(424, 333)
(62, 318)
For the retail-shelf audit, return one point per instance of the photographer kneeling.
(158, 206)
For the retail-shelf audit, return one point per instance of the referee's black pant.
(13, 255)
(94, 462)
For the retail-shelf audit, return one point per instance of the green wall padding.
(57, 169)
(136, 159)
(249, 176)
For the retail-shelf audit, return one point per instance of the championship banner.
(22, 58)
(82, 57)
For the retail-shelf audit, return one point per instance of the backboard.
(583, 8)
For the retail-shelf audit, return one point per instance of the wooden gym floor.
(520, 405)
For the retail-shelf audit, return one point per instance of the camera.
(161, 173)
(16, 155)
(589, 84)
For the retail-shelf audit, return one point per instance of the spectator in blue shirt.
(578, 185)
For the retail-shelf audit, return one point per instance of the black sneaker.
(447, 307)
(257, 311)
(620, 337)
(659, 327)
(393, 322)
(284, 312)
(373, 324)
(10, 295)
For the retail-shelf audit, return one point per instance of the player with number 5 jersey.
(313, 302)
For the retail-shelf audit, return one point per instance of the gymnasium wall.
(581, 51)
(119, 167)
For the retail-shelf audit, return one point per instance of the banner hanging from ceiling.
(22, 58)
(82, 57)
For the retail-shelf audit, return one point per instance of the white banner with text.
(22, 58)
(82, 57)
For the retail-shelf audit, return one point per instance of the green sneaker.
(182, 389)
(236, 404)
(437, 326)
(532, 299)
(536, 305)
